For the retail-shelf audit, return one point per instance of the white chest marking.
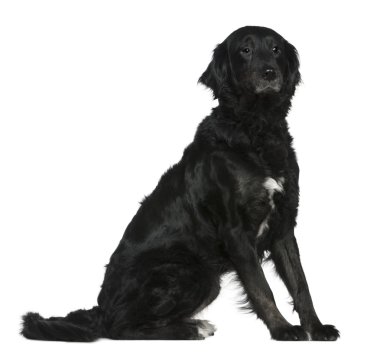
(272, 186)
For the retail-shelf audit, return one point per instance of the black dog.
(232, 199)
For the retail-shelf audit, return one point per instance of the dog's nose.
(269, 74)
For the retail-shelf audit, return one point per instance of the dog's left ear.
(216, 75)
(293, 65)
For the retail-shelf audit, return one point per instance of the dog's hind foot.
(205, 328)
(188, 329)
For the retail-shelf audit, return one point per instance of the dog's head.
(253, 60)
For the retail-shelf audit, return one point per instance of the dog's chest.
(271, 186)
(260, 198)
(272, 151)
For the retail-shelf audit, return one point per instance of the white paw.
(205, 328)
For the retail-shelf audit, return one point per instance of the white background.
(99, 98)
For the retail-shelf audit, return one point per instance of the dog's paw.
(205, 329)
(289, 333)
(324, 333)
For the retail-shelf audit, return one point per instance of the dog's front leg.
(246, 262)
(285, 255)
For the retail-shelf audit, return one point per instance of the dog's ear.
(216, 74)
(293, 65)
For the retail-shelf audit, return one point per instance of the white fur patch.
(272, 186)
(205, 328)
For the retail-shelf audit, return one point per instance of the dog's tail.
(77, 326)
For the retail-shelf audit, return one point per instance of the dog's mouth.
(265, 86)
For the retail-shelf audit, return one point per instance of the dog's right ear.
(216, 74)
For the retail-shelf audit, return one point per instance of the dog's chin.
(267, 89)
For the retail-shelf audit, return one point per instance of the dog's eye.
(246, 50)
(276, 50)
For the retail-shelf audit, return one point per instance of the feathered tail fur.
(77, 326)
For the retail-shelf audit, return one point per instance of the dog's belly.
(272, 186)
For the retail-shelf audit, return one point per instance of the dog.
(228, 204)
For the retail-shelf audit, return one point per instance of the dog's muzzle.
(267, 80)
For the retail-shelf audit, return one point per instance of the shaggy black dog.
(230, 201)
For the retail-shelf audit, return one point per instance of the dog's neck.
(248, 123)
(271, 108)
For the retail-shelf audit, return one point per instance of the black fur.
(207, 214)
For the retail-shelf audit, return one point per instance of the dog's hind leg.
(166, 288)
